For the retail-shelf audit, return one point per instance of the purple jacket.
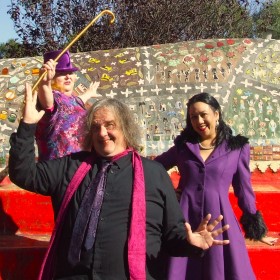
(205, 189)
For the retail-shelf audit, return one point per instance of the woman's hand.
(92, 90)
(49, 66)
(204, 236)
(269, 240)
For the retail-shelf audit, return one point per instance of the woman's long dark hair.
(224, 132)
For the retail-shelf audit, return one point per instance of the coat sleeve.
(168, 158)
(41, 177)
(251, 219)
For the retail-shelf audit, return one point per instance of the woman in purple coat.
(210, 159)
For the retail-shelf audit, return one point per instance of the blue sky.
(7, 28)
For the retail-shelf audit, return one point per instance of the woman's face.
(64, 82)
(203, 120)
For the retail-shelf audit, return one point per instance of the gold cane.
(75, 40)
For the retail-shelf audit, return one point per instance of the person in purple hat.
(61, 132)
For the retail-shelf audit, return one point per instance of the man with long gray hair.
(117, 216)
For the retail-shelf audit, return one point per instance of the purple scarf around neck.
(137, 233)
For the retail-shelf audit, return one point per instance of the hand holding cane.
(75, 40)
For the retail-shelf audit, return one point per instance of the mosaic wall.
(156, 82)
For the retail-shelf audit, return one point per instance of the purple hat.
(64, 63)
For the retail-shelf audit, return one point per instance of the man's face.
(64, 82)
(108, 139)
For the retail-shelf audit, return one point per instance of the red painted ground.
(26, 221)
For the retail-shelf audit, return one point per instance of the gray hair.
(123, 114)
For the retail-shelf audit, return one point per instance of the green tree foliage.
(268, 20)
(45, 25)
(12, 48)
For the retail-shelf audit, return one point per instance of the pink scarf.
(137, 233)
